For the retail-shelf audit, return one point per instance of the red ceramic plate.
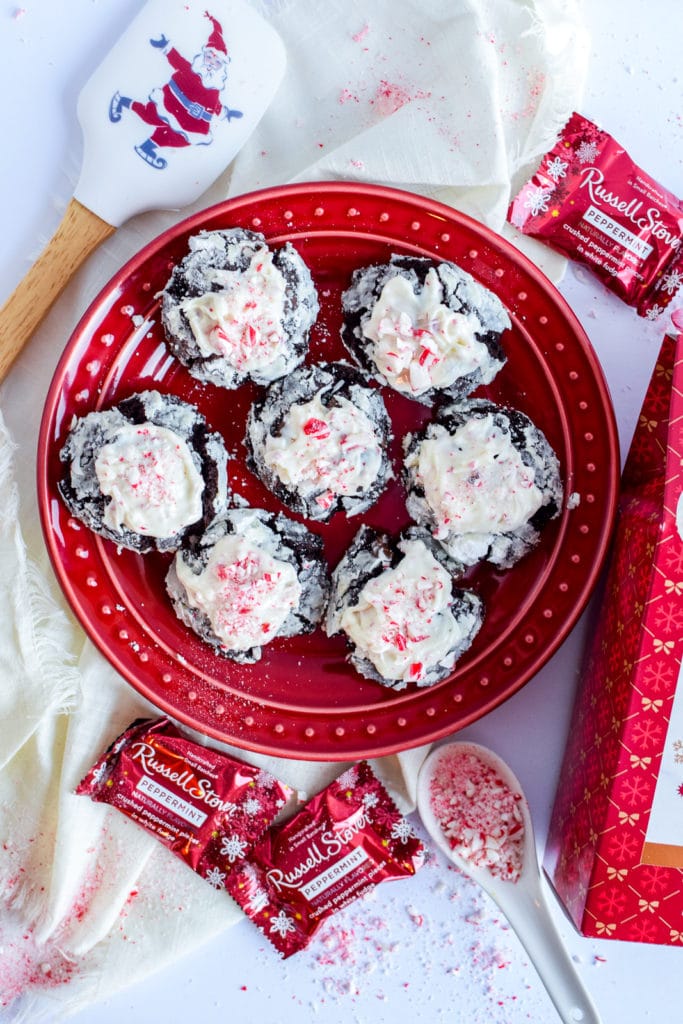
(303, 699)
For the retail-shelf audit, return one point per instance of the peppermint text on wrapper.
(591, 202)
(207, 807)
(345, 841)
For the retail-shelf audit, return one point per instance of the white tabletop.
(432, 946)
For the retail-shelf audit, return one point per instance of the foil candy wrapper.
(207, 807)
(344, 842)
(591, 202)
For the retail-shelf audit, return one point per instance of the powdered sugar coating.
(478, 813)
(319, 441)
(265, 302)
(439, 337)
(397, 604)
(284, 543)
(489, 502)
(91, 434)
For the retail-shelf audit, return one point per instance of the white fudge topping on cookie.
(244, 591)
(420, 343)
(474, 480)
(402, 620)
(243, 321)
(332, 449)
(149, 474)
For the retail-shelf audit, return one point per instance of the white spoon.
(519, 895)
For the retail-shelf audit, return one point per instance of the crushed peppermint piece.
(479, 814)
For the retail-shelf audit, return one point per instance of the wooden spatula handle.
(79, 232)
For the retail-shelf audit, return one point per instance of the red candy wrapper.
(205, 806)
(346, 840)
(591, 202)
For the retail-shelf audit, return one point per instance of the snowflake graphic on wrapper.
(251, 806)
(671, 282)
(215, 878)
(536, 200)
(557, 168)
(281, 924)
(678, 752)
(587, 152)
(233, 847)
(258, 900)
(370, 800)
(654, 312)
(402, 831)
(348, 779)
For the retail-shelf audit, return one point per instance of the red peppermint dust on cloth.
(479, 814)
(344, 842)
(28, 966)
(592, 203)
(207, 807)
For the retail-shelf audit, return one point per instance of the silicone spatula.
(162, 117)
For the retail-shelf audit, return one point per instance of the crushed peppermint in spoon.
(479, 814)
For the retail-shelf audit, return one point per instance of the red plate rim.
(406, 719)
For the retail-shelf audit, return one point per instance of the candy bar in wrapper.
(592, 203)
(345, 841)
(207, 807)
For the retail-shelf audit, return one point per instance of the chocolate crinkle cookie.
(236, 310)
(319, 441)
(423, 327)
(398, 605)
(484, 480)
(146, 474)
(252, 577)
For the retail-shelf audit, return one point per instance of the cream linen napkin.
(455, 99)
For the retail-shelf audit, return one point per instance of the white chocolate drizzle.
(332, 449)
(244, 320)
(244, 591)
(154, 486)
(402, 621)
(419, 343)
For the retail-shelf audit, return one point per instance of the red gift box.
(615, 845)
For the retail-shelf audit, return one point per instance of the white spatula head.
(172, 104)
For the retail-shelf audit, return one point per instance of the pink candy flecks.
(479, 814)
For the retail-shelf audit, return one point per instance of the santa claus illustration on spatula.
(184, 110)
